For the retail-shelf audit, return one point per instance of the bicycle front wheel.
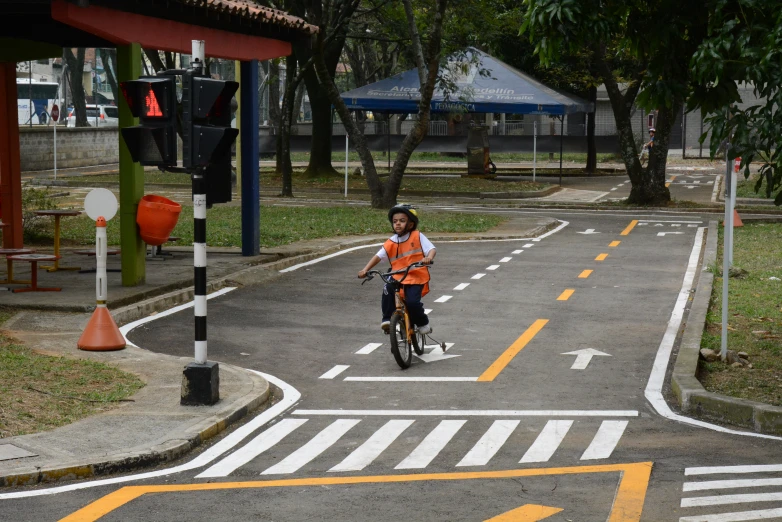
(399, 346)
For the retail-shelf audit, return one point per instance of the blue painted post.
(251, 206)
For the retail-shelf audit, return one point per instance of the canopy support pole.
(131, 177)
(534, 148)
(250, 186)
(388, 139)
(561, 139)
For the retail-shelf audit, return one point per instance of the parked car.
(105, 115)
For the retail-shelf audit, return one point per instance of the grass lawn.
(746, 188)
(270, 179)
(70, 386)
(755, 317)
(280, 225)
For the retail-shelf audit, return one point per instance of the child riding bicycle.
(405, 247)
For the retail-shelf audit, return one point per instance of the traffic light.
(153, 101)
(207, 135)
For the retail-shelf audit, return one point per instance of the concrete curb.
(178, 444)
(690, 393)
(263, 272)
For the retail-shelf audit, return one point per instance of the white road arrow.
(588, 231)
(583, 357)
(659, 234)
(433, 353)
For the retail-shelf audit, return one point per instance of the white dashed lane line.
(492, 267)
(461, 286)
(477, 276)
(334, 371)
(505, 259)
(369, 348)
(443, 299)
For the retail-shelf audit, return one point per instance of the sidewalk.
(154, 428)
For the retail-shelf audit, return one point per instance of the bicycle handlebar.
(387, 276)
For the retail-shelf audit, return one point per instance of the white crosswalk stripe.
(547, 442)
(490, 443)
(746, 493)
(374, 446)
(429, 440)
(255, 447)
(605, 441)
(317, 445)
(431, 446)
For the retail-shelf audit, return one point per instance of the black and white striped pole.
(201, 379)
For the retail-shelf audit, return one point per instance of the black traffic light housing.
(152, 99)
(206, 113)
(207, 135)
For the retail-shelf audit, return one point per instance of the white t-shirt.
(426, 245)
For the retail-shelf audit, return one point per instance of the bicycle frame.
(409, 340)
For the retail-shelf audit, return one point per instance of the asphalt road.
(507, 424)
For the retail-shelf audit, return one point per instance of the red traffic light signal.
(153, 101)
(151, 97)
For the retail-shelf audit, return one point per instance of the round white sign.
(100, 202)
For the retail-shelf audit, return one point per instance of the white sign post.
(101, 333)
(727, 230)
(55, 116)
(347, 139)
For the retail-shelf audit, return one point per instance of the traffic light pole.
(201, 382)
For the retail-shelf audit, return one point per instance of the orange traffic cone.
(101, 333)
(737, 219)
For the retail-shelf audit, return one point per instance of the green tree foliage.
(645, 47)
(743, 44)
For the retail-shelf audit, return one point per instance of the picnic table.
(58, 214)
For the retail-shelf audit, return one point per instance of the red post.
(10, 161)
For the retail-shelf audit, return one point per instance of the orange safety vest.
(406, 253)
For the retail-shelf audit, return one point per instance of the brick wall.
(76, 147)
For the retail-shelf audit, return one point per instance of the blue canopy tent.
(483, 84)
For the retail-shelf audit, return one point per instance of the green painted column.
(131, 177)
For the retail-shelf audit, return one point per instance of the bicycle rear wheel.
(399, 345)
(418, 341)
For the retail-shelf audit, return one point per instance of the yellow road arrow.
(526, 513)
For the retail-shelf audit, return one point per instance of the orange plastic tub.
(156, 218)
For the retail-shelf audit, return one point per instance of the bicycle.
(404, 337)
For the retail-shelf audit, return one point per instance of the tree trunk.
(648, 184)
(284, 139)
(320, 148)
(153, 55)
(384, 195)
(591, 164)
(298, 101)
(111, 66)
(652, 190)
(275, 115)
(376, 188)
(76, 72)
(418, 53)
